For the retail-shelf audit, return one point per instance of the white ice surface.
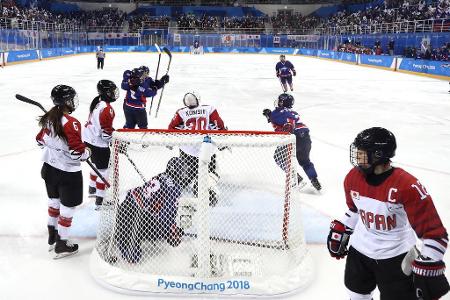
(335, 100)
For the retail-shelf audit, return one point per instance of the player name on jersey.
(199, 111)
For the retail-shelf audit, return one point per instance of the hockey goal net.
(230, 223)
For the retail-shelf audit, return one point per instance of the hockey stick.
(28, 100)
(167, 72)
(156, 77)
(135, 167)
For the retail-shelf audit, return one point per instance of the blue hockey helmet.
(136, 77)
(145, 70)
(285, 100)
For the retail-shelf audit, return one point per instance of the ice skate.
(64, 248)
(316, 184)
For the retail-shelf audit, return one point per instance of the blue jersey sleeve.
(145, 91)
(290, 65)
(277, 67)
(280, 117)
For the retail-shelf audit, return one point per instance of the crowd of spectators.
(191, 21)
(390, 12)
(285, 22)
(288, 23)
(356, 48)
(137, 22)
(426, 51)
(15, 17)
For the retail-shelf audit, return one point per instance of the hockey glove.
(294, 72)
(288, 127)
(278, 75)
(126, 75)
(338, 239)
(165, 79)
(429, 278)
(266, 113)
(86, 154)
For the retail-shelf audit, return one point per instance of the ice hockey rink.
(335, 100)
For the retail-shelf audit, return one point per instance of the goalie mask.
(372, 147)
(285, 101)
(107, 90)
(191, 100)
(64, 95)
(176, 169)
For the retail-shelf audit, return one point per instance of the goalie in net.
(149, 211)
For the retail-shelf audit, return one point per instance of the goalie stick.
(135, 167)
(28, 100)
(156, 77)
(167, 72)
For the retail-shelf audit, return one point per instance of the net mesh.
(219, 207)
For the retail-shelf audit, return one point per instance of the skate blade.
(92, 196)
(64, 254)
(51, 248)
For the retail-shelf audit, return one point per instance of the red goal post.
(238, 211)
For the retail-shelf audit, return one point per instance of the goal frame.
(111, 276)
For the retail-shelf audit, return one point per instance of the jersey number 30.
(197, 123)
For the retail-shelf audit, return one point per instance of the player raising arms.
(149, 212)
(63, 149)
(138, 87)
(98, 133)
(285, 70)
(197, 117)
(283, 118)
(388, 208)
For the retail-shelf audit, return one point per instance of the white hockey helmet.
(191, 99)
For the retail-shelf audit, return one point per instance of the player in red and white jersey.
(388, 208)
(60, 138)
(197, 117)
(98, 133)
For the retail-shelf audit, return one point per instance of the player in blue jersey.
(139, 86)
(285, 69)
(149, 212)
(283, 118)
